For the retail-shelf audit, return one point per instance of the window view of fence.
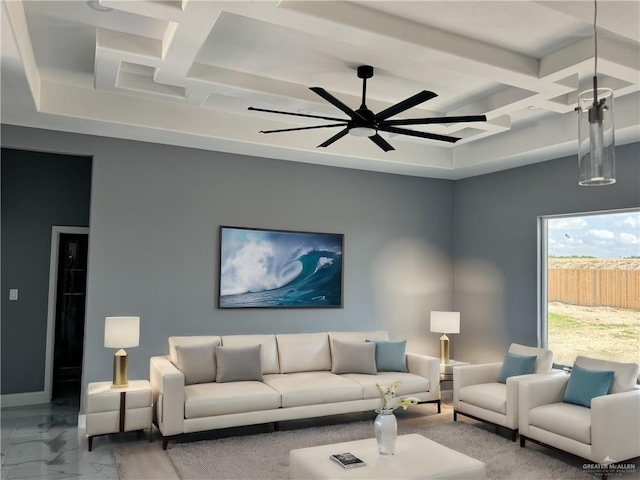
(593, 286)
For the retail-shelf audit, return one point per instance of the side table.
(446, 369)
(114, 410)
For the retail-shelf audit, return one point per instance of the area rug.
(266, 456)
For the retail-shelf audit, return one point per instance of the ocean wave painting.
(276, 268)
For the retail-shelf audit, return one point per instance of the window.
(590, 286)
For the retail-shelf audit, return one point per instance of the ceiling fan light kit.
(364, 123)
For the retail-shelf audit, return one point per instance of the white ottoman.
(416, 458)
(113, 410)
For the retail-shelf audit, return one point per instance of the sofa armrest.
(615, 420)
(167, 385)
(427, 367)
(465, 375)
(537, 392)
(513, 388)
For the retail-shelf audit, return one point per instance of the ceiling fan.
(364, 123)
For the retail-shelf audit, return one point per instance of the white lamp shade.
(445, 322)
(121, 332)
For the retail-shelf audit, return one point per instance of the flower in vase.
(388, 398)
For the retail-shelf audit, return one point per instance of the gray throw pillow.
(197, 362)
(354, 357)
(236, 364)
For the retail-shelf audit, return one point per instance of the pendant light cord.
(595, 35)
(595, 44)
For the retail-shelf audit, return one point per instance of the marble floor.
(46, 442)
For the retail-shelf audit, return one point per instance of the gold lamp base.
(444, 349)
(120, 370)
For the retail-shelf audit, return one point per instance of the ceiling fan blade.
(303, 128)
(381, 142)
(417, 99)
(298, 114)
(427, 121)
(336, 103)
(337, 136)
(413, 133)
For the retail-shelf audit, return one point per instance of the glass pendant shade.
(596, 143)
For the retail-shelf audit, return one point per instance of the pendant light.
(596, 143)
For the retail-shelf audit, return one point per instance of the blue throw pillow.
(585, 384)
(390, 356)
(515, 365)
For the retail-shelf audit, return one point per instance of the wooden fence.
(608, 288)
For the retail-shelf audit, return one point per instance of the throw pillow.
(514, 365)
(391, 356)
(236, 364)
(354, 357)
(585, 384)
(197, 362)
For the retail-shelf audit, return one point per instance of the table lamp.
(121, 333)
(445, 322)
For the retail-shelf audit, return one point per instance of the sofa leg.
(514, 435)
(439, 407)
(165, 440)
(522, 440)
(455, 416)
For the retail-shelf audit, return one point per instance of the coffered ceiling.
(185, 72)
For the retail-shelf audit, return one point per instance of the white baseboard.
(22, 399)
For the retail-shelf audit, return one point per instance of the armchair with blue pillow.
(489, 392)
(593, 413)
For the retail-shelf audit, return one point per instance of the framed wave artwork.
(279, 269)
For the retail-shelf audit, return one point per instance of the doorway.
(67, 296)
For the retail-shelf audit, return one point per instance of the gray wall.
(496, 244)
(39, 190)
(155, 213)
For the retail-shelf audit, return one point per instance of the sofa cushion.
(544, 360)
(269, 348)
(564, 419)
(391, 356)
(303, 352)
(354, 357)
(236, 364)
(372, 336)
(208, 399)
(514, 365)
(490, 396)
(311, 388)
(188, 340)
(410, 384)
(585, 384)
(197, 362)
(625, 375)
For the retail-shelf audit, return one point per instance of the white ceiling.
(185, 72)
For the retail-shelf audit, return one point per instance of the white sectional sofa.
(212, 382)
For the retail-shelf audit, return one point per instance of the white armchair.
(608, 432)
(478, 394)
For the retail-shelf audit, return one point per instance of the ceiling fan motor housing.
(365, 71)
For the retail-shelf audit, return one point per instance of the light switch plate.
(13, 294)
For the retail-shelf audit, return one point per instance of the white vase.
(386, 429)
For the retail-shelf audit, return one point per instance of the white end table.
(113, 410)
(416, 458)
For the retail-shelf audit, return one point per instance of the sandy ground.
(595, 263)
(609, 333)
